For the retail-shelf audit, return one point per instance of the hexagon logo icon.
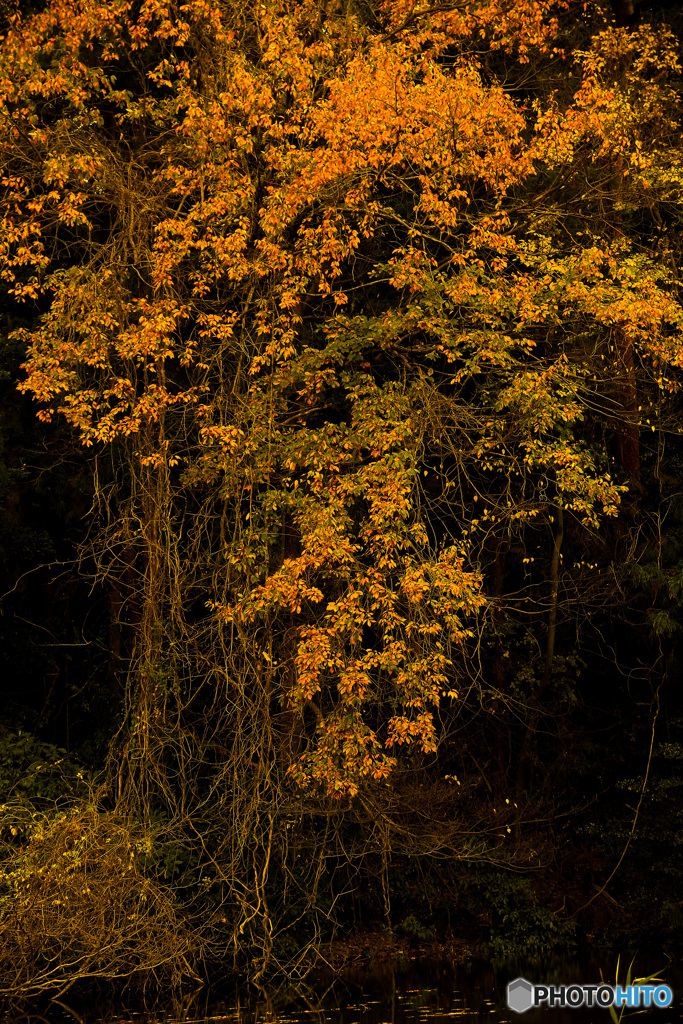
(520, 995)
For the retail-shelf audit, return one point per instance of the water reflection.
(436, 992)
(410, 992)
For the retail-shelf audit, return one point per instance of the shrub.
(75, 903)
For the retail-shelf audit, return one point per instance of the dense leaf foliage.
(363, 312)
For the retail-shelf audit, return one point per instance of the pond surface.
(419, 991)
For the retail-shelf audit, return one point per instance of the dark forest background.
(550, 819)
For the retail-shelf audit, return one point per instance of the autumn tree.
(344, 304)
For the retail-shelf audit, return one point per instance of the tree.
(346, 311)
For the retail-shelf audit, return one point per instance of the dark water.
(440, 992)
(409, 992)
